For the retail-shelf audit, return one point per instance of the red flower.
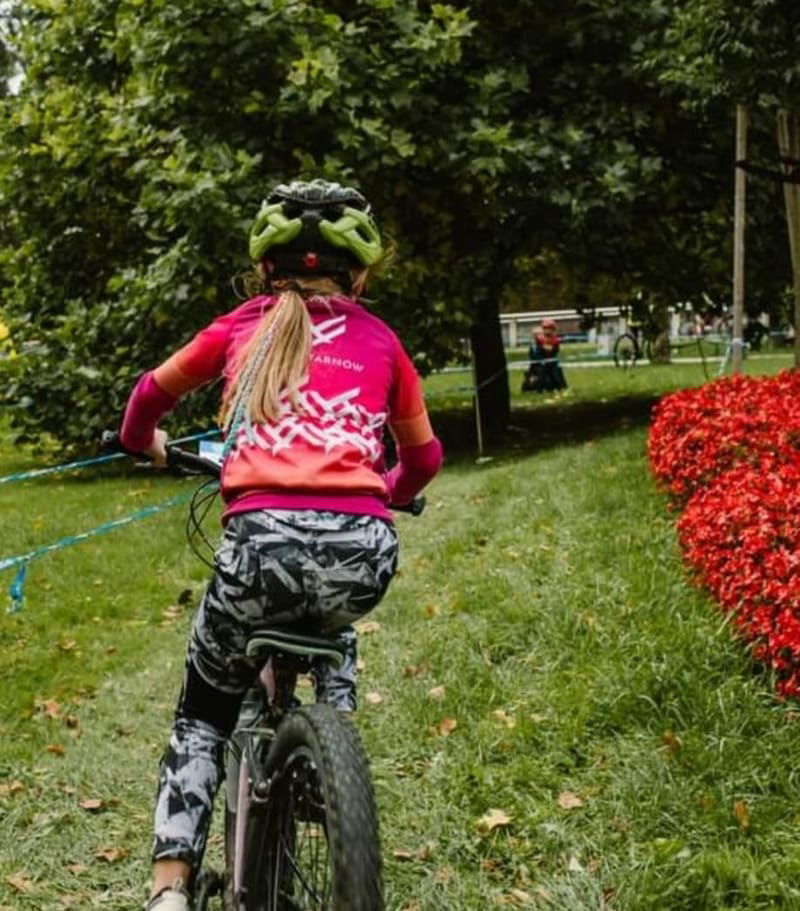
(730, 452)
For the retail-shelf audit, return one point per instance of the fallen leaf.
(50, 708)
(425, 852)
(91, 804)
(111, 855)
(373, 698)
(10, 788)
(367, 627)
(416, 670)
(494, 819)
(437, 693)
(402, 854)
(504, 718)
(742, 813)
(55, 748)
(488, 865)
(77, 869)
(447, 726)
(70, 900)
(432, 610)
(20, 882)
(68, 645)
(569, 801)
(443, 875)
(670, 742)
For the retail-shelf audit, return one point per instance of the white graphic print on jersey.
(328, 329)
(322, 423)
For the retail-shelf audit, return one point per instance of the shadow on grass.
(542, 427)
(532, 429)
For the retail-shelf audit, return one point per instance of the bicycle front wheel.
(626, 351)
(316, 846)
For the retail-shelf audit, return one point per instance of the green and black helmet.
(314, 228)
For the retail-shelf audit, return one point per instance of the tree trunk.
(789, 146)
(491, 373)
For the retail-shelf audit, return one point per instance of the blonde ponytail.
(274, 362)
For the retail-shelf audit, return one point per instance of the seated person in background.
(544, 373)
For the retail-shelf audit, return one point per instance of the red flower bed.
(741, 536)
(730, 453)
(696, 434)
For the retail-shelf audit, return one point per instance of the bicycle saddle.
(281, 640)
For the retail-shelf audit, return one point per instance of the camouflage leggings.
(278, 567)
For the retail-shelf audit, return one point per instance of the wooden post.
(739, 214)
(789, 147)
(477, 403)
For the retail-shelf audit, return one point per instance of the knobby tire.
(315, 845)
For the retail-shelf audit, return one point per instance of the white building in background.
(517, 327)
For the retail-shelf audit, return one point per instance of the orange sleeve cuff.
(172, 378)
(414, 431)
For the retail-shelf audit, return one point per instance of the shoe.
(173, 898)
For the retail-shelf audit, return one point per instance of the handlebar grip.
(176, 458)
(110, 441)
(180, 458)
(415, 507)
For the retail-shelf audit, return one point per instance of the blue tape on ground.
(16, 589)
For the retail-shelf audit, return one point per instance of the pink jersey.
(329, 453)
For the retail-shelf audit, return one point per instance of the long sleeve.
(419, 452)
(157, 391)
(146, 406)
(416, 466)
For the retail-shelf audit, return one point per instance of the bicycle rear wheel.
(315, 847)
(626, 350)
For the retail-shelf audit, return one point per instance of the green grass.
(542, 589)
(597, 383)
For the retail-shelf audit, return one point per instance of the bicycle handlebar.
(180, 459)
(177, 458)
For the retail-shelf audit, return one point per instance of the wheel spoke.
(302, 863)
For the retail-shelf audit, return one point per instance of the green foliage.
(491, 140)
(738, 50)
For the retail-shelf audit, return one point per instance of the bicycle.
(301, 826)
(628, 350)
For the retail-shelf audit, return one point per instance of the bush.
(741, 536)
(696, 434)
(729, 453)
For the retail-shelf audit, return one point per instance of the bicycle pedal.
(209, 883)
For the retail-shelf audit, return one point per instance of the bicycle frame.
(289, 655)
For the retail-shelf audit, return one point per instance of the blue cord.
(16, 589)
(82, 463)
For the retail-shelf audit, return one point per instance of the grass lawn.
(558, 719)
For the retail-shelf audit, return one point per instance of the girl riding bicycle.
(311, 379)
